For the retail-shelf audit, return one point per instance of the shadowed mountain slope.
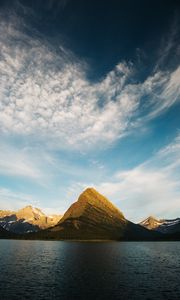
(5, 234)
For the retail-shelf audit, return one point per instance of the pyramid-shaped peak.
(91, 198)
(90, 191)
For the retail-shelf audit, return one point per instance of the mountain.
(150, 223)
(91, 217)
(27, 219)
(165, 226)
(94, 217)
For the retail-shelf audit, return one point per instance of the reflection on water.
(72, 270)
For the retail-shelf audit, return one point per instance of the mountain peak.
(26, 208)
(162, 225)
(91, 199)
(94, 198)
(152, 218)
(90, 190)
(27, 219)
(30, 208)
(151, 222)
(30, 212)
(89, 193)
(94, 217)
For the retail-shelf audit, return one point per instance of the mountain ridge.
(94, 217)
(26, 219)
(91, 217)
(165, 226)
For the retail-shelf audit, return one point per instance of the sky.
(90, 97)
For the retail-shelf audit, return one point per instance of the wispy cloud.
(157, 94)
(11, 200)
(151, 188)
(30, 163)
(169, 45)
(46, 93)
(17, 162)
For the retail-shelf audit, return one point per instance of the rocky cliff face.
(27, 219)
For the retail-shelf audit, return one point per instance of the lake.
(89, 270)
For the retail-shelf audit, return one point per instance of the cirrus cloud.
(45, 93)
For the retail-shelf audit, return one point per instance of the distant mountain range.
(27, 219)
(162, 225)
(91, 217)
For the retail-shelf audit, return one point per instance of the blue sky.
(90, 96)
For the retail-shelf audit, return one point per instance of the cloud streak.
(17, 162)
(11, 200)
(31, 163)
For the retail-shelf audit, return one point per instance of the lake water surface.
(89, 270)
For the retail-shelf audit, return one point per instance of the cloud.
(11, 200)
(168, 50)
(16, 162)
(30, 163)
(151, 188)
(165, 91)
(45, 93)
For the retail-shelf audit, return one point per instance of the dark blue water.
(82, 270)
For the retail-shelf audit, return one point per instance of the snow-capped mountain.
(163, 225)
(27, 219)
